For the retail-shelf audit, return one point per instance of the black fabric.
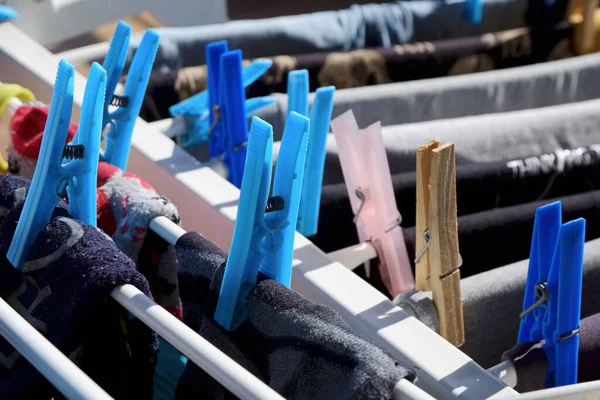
(479, 187)
(379, 65)
(491, 239)
(420, 60)
(531, 365)
(63, 291)
(487, 239)
(159, 96)
(531, 362)
(300, 349)
(589, 349)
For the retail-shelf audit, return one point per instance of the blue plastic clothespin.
(473, 11)
(552, 300)
(122, 120)
(320, 117)
(7, 13)
(198, 111)
(264, 242)
(78, 174)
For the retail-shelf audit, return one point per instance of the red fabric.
(104, 214)
(27, 129)
(105, 172)
(176, 311)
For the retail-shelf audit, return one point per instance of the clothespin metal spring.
(543, 294)
(119, 101)
(427, 236)
(216, 110)
(359, 193)
(541, 291)
(275, 203)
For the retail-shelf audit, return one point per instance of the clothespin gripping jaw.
(234, 136)
(344, 128)
(552, 300)
(114, 62)
(584, 36)
(368, 180)
(193, 129)
(297, 90)
(287, 185)
(51, 176)
(84, 151)
(438, 259)
(215, 97)
(122, 120)
(381, 216)
(263, 242)
(310, 200)
(201, 113)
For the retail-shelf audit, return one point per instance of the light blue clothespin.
(122, 120)
(199, 113)
(264, 242)
(7, 13)
(51, 175)
(320, 117)
(473, 11)
(552, 300)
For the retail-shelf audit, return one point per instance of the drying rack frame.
(208, 204)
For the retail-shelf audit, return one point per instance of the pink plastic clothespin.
(369, 183)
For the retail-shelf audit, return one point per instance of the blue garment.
(169, 367)
(7, 13)
(357, 27)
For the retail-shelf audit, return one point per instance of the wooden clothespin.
(582, 13)
(437, 259)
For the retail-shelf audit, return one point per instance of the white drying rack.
(208, 204)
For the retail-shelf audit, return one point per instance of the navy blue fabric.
(300, 349)
(64, 292)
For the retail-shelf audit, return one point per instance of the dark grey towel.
(301, 349)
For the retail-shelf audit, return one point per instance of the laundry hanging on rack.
(126, 204)
(298, 347)
(479, 234)
(357, 27)
(512, 89)
(479, 186)
(63, 290)
(486, 138)
(375, 66)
